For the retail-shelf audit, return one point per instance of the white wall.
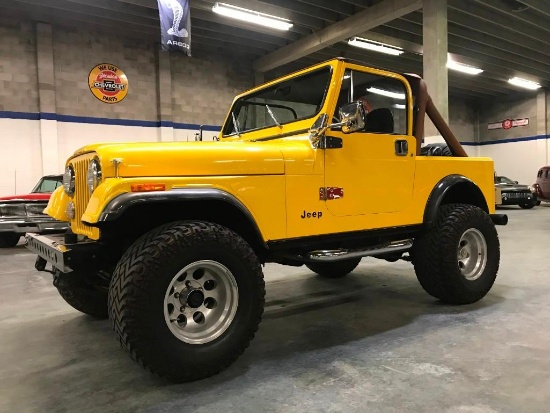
(519, 161)
(21, 161)
(20, 154)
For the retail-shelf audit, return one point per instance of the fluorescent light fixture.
(399, 106)
(375, 46)
(461, 67)
(386, 93)
(251, 16)
(527, 84)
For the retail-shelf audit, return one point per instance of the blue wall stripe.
(19, 115)
(104, 121)
(509, 140)
(212, 128)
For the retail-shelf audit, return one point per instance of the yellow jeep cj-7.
(318, 168)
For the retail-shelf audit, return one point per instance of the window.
(48, 184)
(294, 99)
(539, 175)
(503, 180)
(384, 99)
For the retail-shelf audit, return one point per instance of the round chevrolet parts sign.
(108, 83)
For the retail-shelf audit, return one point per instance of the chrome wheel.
(472, 254)
(200, 302)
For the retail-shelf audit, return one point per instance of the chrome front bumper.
(39, 225)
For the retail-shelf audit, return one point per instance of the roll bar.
(424, 105)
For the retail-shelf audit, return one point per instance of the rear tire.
(80, 295)
(9, 239)
(186, 299)
(457, 260)
(528, 205)
(335, 269)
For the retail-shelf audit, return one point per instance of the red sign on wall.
(508, 124)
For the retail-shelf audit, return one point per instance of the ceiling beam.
(71, 7)
(113, 5)
(513, 39)
(464, 30)
(334, 6)
(303, 23)
(499, 73)
(542, 6)
(480, 51)
(358, 23)
(152, 4)
(527, 16)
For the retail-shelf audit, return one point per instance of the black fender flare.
(120, 204)
(443, 188)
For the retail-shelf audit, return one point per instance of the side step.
(344, 254)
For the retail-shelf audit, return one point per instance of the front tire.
(80, 295)
(9, 239)
(335, 269)
(528, 205)
(457, 260)
(186, 299)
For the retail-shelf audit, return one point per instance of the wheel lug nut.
(176, 295)
(182, 309)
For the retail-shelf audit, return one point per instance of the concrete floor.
(372, 342)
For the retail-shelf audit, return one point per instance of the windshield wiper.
(236, 124)
(273, 116)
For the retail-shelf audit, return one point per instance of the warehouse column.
(435, 59)
(46, 98)
(543, 113)
(164, 82)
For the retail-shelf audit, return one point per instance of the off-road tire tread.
(129, 277)
(427, 254)
(336, 269)
(83, 298)
(9, 239)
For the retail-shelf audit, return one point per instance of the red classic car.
(23, 213)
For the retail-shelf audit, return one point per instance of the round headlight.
(94, 175)
(69, 180)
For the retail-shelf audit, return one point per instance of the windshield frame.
(504, 180)
(270, 85)
(56, 178)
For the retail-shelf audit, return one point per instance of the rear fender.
(453, 189)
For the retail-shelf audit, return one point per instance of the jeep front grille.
(81, 195)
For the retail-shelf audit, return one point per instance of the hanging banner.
(175, 25)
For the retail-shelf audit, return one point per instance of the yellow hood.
(188, 158)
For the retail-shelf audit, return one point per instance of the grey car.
(513, 193)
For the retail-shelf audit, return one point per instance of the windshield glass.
(294, 99)
(48, 184)
(503, 180)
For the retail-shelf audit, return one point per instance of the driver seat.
(379, 121)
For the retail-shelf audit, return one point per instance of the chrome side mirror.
(318, 129)
(352, 117)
